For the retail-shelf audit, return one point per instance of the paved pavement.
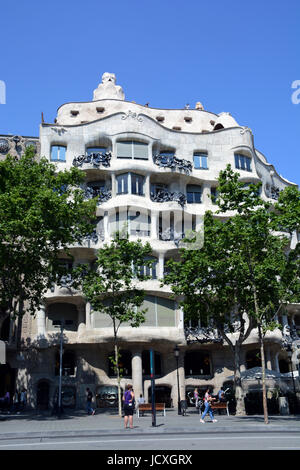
(30, 424)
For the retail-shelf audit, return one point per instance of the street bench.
(144, 407)
(220, 405)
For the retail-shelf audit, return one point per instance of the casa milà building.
(156, 170)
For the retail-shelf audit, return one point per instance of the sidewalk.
(77, 423)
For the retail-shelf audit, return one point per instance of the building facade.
(155, 170)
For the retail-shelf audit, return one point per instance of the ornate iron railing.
(171, 161)
(163, 195)
(103, 194)
(96, 159)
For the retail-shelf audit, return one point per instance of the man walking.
(89, 398)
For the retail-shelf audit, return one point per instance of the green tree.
(112, 287)
(42, 213)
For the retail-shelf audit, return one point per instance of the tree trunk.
(238, 389)
(263, 373)
(118, 378)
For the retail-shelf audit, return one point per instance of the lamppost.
(176, 354)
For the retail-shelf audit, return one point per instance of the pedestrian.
(141, 401)
(16, 401)
(89, 398)
(196, 397)
(207, 401)
(128, 399)
(221, 395)
(23, 399)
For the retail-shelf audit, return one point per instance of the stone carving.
(96, 159)
(59, 130)
(132, 115)
(163, 195)
(108, 88)
(171, 161)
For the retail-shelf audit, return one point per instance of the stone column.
(147, 186)
(276, 362)
(154, 224)
(88, 320)
(81, 319)
(268, 359)
(105, 225)
(113, 184)
(137, 373)
(41, 321)
(161, 260)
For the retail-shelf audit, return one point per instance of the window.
(146, 363)
(58, 153)
(242, 162)
(213, 195)
(200, 161)
(197, 363)
(137, 184)
(91, 150)
(132, 149)
(151, 269)
(122, 184)
(133, 181)
(193, 194)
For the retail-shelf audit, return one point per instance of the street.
(230, 441)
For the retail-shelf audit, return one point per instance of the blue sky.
(232, 56)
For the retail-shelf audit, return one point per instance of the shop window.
(197, 363)
(124, 364)
(147, 366)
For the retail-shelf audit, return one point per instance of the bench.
(144, 407)
(220, 405)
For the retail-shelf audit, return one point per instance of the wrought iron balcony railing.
(96, 159)
(163, 195)
(171, 161)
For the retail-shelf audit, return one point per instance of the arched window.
(132, 149)
(197, 363)
(68, 363)
(124, 364)
(253, 359)
(242, 162)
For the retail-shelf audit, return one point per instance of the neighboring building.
(157, 170)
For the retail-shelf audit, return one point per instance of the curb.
(150, 431)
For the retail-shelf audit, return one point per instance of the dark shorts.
(128, 410)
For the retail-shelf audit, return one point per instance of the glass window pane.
(149, 303)
(165, 312)
(62, 153)
(124, 149)
(122, 184)
(54, 153)
(140, 150)
(204, 162)
(248, 163)
(196, 161)
(237, 161)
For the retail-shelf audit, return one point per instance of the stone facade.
(156, 169)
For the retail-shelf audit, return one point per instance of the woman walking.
(128, 399)
(207, 401)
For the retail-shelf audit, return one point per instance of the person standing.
(128, 399)
(89, 398)
(207, 401)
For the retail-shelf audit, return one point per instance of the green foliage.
(42, 211)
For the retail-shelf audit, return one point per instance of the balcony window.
(137, 184)
(58, 153)
(242, 162)
(130, 180)
(200, 161)
(150, 271)
(91, 150)
(131, 149)
(122, 183)
(193, 194)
